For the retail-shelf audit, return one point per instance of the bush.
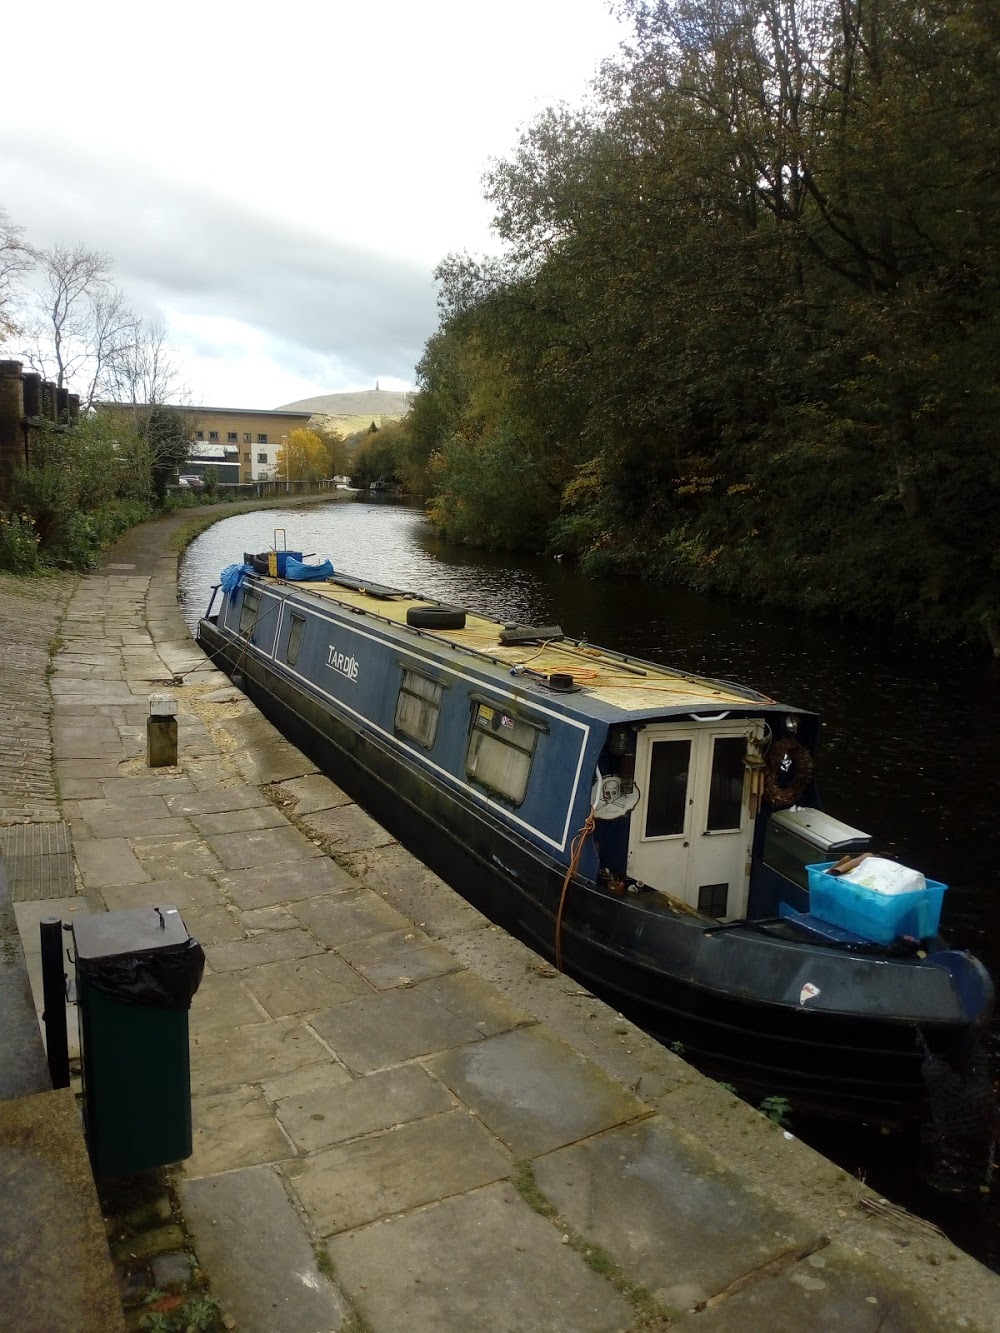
(18, 544)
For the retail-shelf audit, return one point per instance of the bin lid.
(139, 930)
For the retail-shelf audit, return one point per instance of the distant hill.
(348, 412)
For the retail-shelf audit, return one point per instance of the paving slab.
(184, 892)
(313, 792)
(354, 1183)
(268, 948)
(249, 1237)
(264, 886)
(367, 1105)
(268, 918)
(398, 958)
(348, 829)
(55, 1270)
(234, 1129)
(221, 1003)
(165, 782)
(138, 826)
(468, 997)
(328, 1074)
(423, 897)
(376, 1031)
(533, 1091)
(668, 1212)
(237, 821)
(130, 807)
(421, 1274)
(262, 847)
(106, 861)
(230, 1058)
(214, 925)
(260, 752)
(832, 1291)
(172, 856)
(237, 796)
(304, 985)
(345, 917)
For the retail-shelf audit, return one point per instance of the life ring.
(436, 617)
(788, 771)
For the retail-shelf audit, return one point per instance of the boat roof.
(625, 684)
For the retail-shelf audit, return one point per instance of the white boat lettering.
(341, 663)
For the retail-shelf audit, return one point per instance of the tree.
(336, 450)
(15, 258)
(81, 327)
(302, 457)
(168, 436)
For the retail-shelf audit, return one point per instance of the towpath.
(404, 1120)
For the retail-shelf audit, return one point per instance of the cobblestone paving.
(30, 612)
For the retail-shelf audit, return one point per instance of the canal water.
(909, 739)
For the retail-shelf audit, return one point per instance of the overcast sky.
(277, 182)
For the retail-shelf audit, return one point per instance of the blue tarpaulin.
(232, 576)
(301, 573)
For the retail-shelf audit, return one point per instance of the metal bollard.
(161, 731)
(50, 930)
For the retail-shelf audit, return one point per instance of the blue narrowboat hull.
(730, 995)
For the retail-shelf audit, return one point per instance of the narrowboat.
(654, 833)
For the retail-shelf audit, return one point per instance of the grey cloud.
(370, 314)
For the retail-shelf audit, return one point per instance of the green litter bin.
(136, 972)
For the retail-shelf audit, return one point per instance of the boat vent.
(713, 899)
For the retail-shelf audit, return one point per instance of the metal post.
(54, 1000)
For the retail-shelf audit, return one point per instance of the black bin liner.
(164, 978)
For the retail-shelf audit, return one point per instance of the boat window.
(725, 798)
(666, 806)
(248, 611)
(295, 639)
(500, 752)
(418, 708)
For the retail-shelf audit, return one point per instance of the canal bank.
(402, 1117)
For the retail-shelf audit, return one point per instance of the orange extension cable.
(574, 861)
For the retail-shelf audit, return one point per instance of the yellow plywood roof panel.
(624, 685)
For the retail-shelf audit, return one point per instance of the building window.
(246, 437)
(418, 708)
(295, 639)
(262, 458)
(262, 439)
(213, 434)
(199, 435)
(231, 436)
(247, 458)
(248, 611)
(500, 751)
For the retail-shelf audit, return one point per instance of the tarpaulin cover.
(232, 576)
(301, 573)
(161, 978)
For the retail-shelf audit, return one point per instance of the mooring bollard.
(161, 731)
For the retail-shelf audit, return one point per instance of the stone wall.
(28, 406)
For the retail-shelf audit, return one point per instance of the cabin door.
(692, 830)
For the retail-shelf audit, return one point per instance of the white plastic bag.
(882, 876)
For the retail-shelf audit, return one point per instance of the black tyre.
(436, 617)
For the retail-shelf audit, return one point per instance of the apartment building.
(257, 435)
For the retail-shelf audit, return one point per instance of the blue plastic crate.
(881, 917)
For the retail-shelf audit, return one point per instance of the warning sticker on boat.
(808, 992)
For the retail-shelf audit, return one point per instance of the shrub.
(18, 544)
